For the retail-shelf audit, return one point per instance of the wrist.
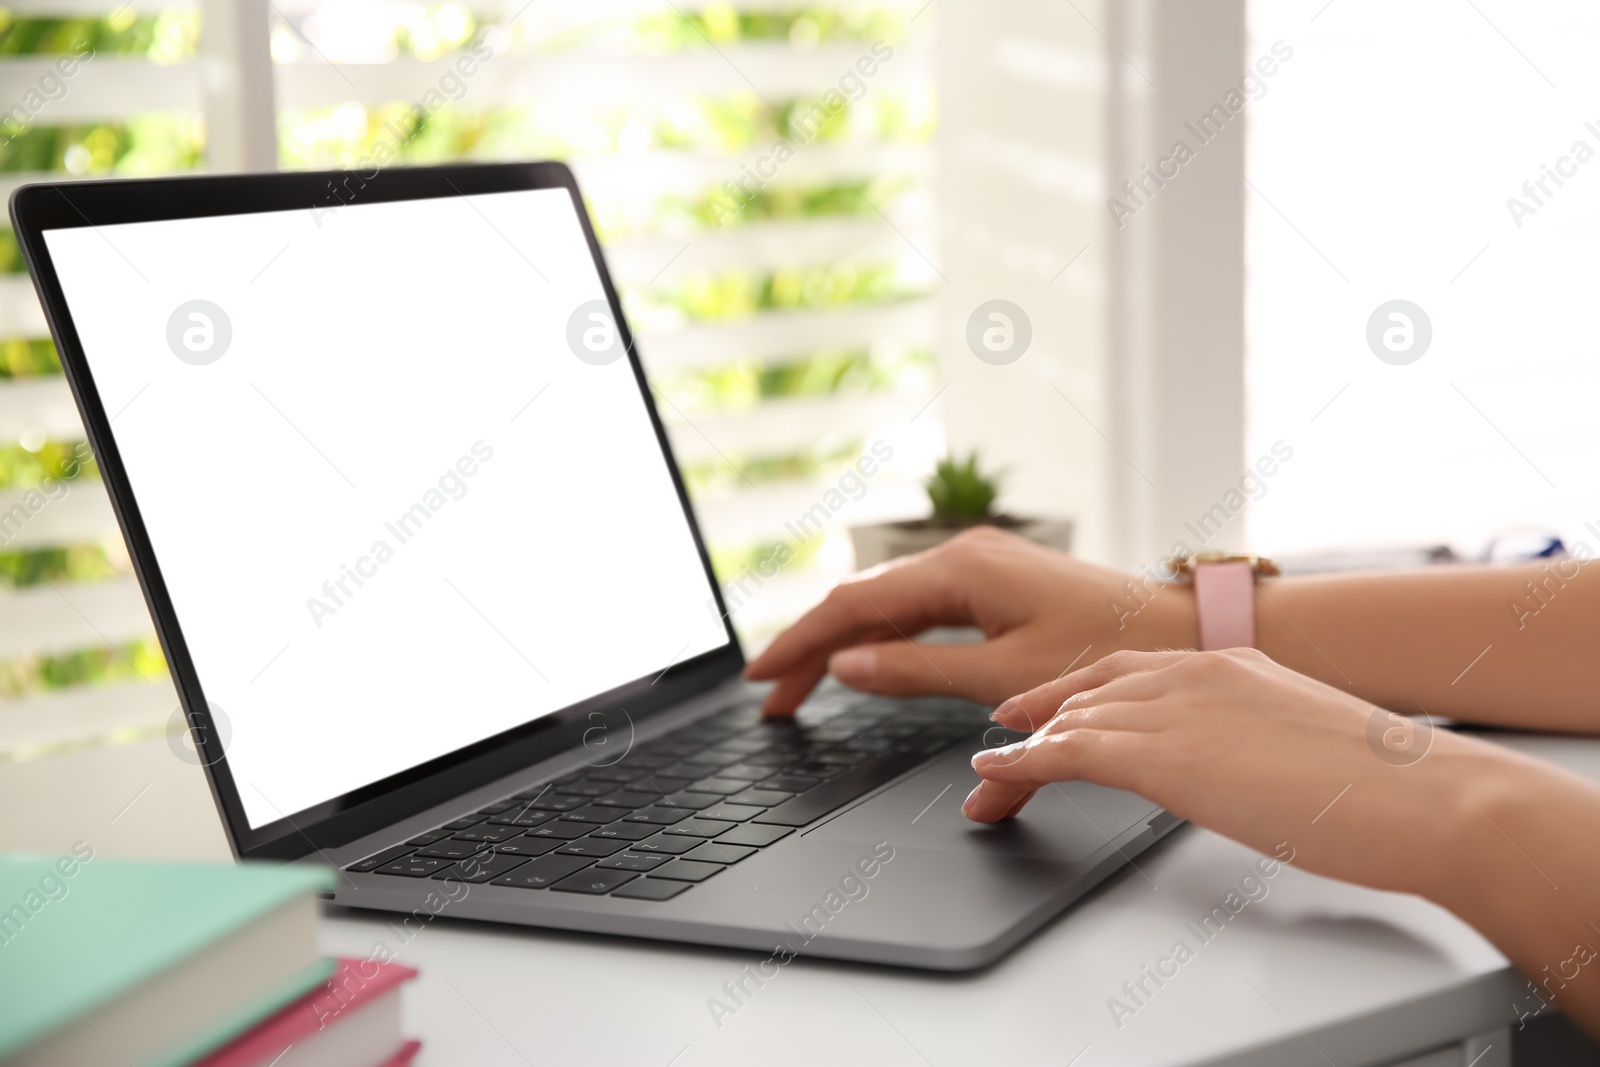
(1476, 795)
(1177, 622)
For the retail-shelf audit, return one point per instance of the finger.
(1031, 710)
(984, 672)
(994, 801)
(792, 690)
(1105, 757)
(906, 598)
(795, 684)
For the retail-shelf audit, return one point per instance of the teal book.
(116, 962)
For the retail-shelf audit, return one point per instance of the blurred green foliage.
(22, 358)
(164, 37)
(748, 382)
(736, 294)
(960, 493)
(139, 660)
(342, 135)
(424, 31)
(722, 24)
(77, 563)
(154, 143)
(735, 470)
(729, 563)
(23, 468)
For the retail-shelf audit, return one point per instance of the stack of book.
(164, 964)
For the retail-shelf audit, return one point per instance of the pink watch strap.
(1225, 600)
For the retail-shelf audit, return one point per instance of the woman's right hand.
(1042, 613)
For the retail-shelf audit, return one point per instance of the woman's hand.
(1241, 745)
(1295, 768)
(1041, 612)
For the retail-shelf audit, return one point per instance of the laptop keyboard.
(680, 809)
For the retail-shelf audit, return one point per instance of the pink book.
(351, 1020)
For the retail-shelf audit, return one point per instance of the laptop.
(436, 603)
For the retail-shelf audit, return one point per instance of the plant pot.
(884, 541)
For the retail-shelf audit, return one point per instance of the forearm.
(1513, 646)
(1517, 865)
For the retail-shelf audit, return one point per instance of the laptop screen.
(397, 471)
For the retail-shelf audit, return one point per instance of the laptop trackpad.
(1064, 823)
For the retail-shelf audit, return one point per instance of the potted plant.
(962, 496)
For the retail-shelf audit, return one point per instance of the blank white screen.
(386, 357)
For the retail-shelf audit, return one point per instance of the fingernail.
(853, 665)
(988, 757)
(1004, 711)
(967, 803)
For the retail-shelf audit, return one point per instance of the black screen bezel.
(39, 207)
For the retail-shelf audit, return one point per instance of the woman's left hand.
(1234, 742)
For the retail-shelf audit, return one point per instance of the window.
(761, 177)
(1439, 154)
(87, 93)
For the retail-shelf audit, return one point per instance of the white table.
(1315, 972)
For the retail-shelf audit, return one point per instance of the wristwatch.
(1224, 595)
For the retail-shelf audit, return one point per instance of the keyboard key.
(714, 758)
(745, 772)
(765, 798)
(630, 861)
(523, 818)
(651, 889)
(595, 815)
(464, 822)
(646, 761)
(662, 784)
(489, 832)
(661, 844)
(544, 872)
(757, 836)
(659, 816)
(595, 847)
(451, 849)
(732, 812)
(497, 807)
(691, 801)
(813, 768)
(429, 838)
(815, 803)
(745, 746)
(528, 846)
(565, 831)
(712, 852)
(482, 868)
(698, 827)
(867, 744)
(723, 786)
(586, 788)
(622, 831)
(594, 881)
(549, 802)
(686, 870)
(378, 859)
(840, 758)
(690, 770)
(616, 774)
(791, 783)
(413, 867)
(628, 798)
